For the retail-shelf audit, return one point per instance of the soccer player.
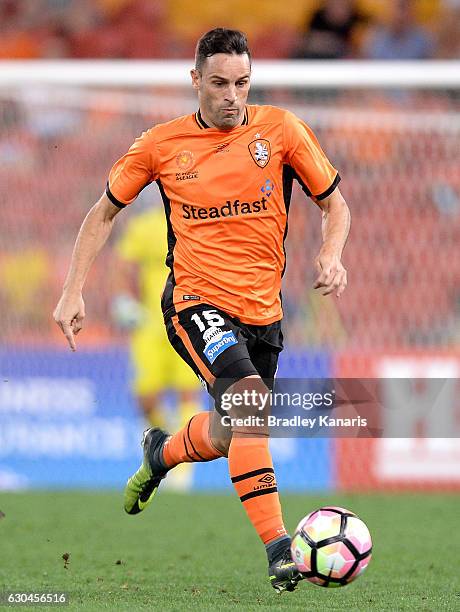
(225, 174)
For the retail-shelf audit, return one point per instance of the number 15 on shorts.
(216, 339)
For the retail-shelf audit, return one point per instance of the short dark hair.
(220, 40)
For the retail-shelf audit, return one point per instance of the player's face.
(222, 84)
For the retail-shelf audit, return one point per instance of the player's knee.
(222, 443)
(248, 397)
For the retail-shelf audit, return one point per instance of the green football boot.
(283, 573)
(142, 485)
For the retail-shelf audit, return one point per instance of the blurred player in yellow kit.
(157, 367)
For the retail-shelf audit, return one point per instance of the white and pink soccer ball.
(331, 546)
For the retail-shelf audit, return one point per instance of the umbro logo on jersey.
(260, 151)
(222, 147)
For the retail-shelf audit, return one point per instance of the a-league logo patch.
(185, 160)
(217, 341)
(260, 151)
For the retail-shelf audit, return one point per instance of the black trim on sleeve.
(328, 191)
(112, 198)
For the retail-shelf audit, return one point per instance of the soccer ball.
(331, 546)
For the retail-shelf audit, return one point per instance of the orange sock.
(192, 443)
(252, 474)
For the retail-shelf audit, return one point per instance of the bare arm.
(332, 276)
(95, 230)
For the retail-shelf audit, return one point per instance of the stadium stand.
(160, 29)
(401, 179)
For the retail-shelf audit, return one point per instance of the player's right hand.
(332, 276)
(69, 315)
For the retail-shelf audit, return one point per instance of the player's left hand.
(332, 276)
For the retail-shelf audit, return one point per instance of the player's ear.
(196, 77)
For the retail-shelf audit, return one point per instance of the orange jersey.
(226, 196)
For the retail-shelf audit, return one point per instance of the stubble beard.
(227, 123)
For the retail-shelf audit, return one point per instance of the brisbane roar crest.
(260, 151)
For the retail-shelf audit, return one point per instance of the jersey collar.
(204, 126)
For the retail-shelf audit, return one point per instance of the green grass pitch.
(200, 552)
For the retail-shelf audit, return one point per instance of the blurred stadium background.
(397, 150)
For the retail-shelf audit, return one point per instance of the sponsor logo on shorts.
(217, 341)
